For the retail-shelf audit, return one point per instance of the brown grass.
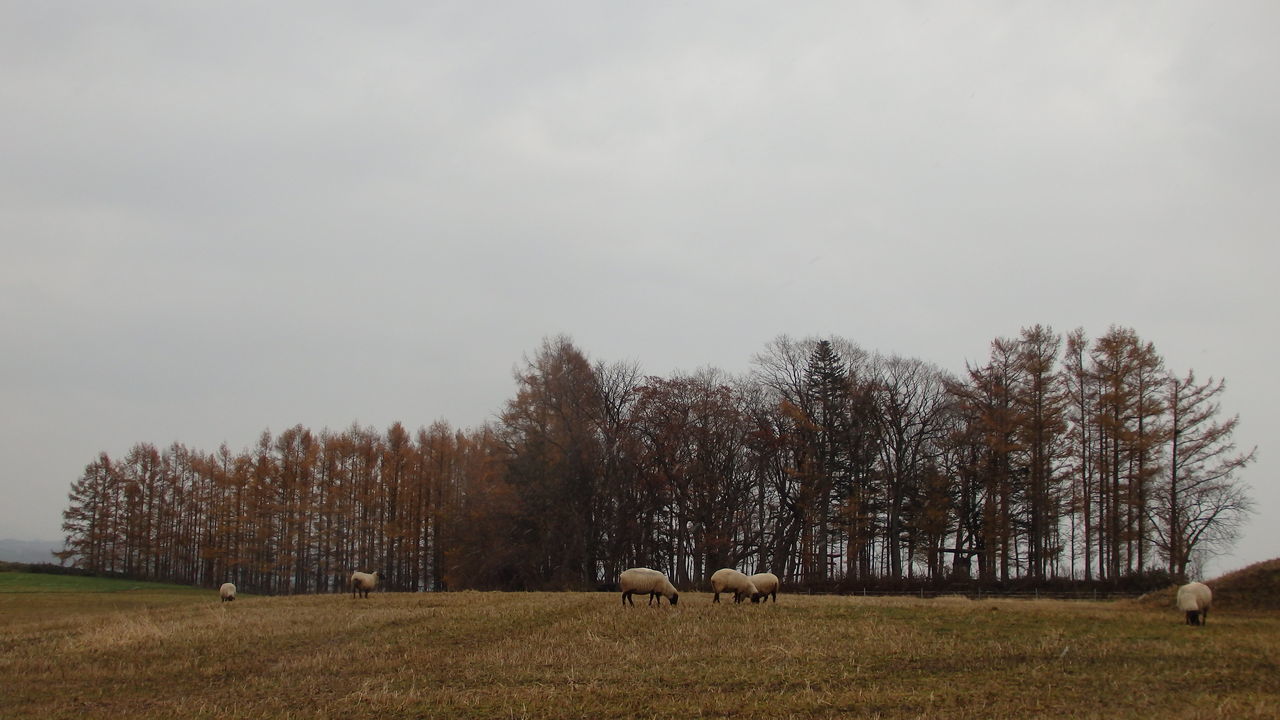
(1253, 587)
(582, 655)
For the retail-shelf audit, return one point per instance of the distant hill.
(1256, 587)
(29, 551)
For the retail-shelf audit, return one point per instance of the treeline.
(1057, 458)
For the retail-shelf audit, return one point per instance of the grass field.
(157, 651)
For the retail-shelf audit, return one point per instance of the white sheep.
(767, 583)
(646, 580)
(730, 580)
(1194, 599)
(227, 592)
(363, 582)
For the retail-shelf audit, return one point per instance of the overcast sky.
(228, 217)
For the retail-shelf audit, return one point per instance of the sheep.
(363, 582)
(227, 592)
(767, 583)
(646, 580)
(730, 580)
(1194, 599)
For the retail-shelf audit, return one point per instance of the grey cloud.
(220, 219)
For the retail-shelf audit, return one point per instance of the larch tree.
(89, 522)
(1080, 389)
(988, 402)
(1042, 424)
(823, 465)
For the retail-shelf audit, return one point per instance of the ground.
(167, 652)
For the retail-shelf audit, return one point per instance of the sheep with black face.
(646, 581)
(767, 583)
(363, 583)
(1194, 599)
(730, 580)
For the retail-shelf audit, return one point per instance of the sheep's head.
(675, 598)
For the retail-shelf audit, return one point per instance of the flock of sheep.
(648, 581)
(1194, 599)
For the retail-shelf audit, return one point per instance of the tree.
(90, 518)
(554, 448)
(1201, 504)
(692, 431)
(987, 401)
(911, 421)
(1129, 432)
(822, 461)
(820, 451)
(1042, 423)
(1081, 391)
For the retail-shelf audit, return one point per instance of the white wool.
(646, 581)
(767, 583)
(227, 592)
(363, 583)
(730, 580)
(1195, 599)
(1194, 596)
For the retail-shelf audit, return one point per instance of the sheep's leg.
(627, 596)
(716, 599)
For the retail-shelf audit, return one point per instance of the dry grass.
(514, 655)
(1252, 588)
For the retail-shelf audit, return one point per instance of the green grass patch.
(20, 582)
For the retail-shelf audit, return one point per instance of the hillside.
(1254, 587)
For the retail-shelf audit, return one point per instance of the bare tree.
(1200, 505)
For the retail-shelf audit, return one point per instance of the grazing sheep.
(363, 582)
(767, 583)
(1194, 599)
(730, 580)
(227, 592)
(646, 580)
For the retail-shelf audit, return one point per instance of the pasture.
(162, 652)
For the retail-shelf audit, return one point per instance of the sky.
(219, 219)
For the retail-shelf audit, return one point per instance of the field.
(162, 652)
